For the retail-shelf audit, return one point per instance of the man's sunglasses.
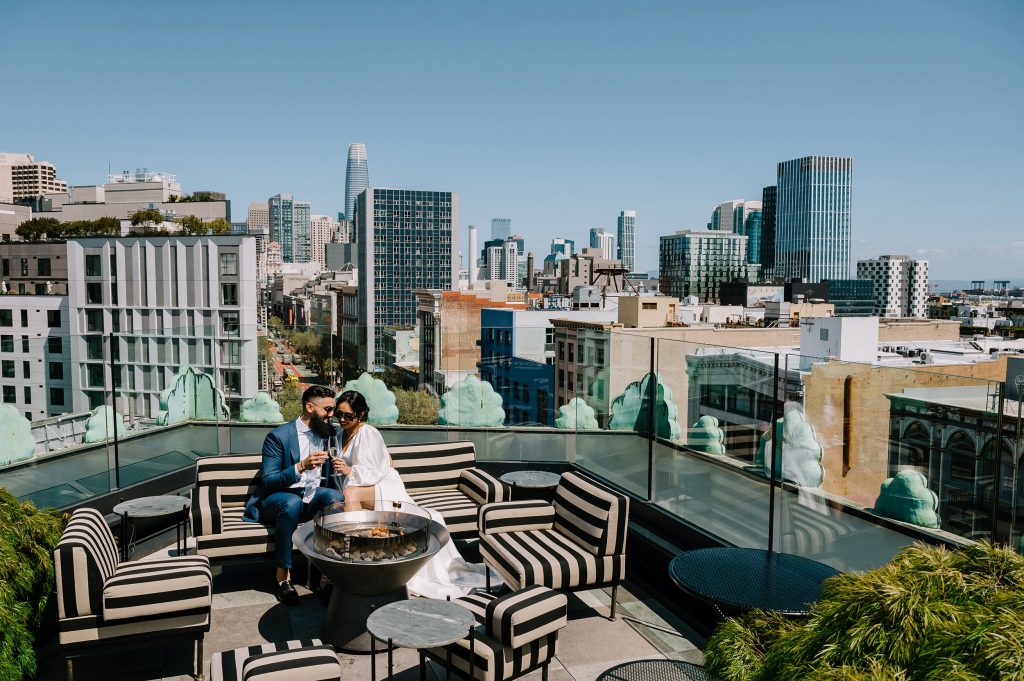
(328, 410)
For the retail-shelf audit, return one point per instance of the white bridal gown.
(447, 573)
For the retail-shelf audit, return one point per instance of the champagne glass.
(334, 451)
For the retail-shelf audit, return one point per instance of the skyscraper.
(812, 221)
(322, 229)
(901, 285)
(697, 263)
(603, 240)
(746, 220)
(723, 214)
(768, 232)
(357, 176)
(501, 228)
(626, 238)
(289, 226)
(408, 241)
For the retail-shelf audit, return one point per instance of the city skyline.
(932, 163)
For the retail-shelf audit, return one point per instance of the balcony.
(698, 486)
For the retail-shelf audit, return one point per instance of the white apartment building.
(901, 285)
(35, 369)
(603, 240)
(141, 308)
(322, 229)
(23, 177)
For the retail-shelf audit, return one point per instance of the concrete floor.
(245, 613)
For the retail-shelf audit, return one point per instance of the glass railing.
(867, 457)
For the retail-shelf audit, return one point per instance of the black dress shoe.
(286, 593)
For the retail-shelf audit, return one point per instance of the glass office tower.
(626, 238)
(357, 176)
(812, 220)
(768, 232)
(408, 241)
(501, 228)
(289, 226)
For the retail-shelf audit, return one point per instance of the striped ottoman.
(285, 661)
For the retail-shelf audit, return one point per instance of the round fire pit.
(369, 556)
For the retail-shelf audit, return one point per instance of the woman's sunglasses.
(345, 416)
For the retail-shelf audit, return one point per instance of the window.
(92, 266)
(823, 334)
(649, 306)
(56, 371)
(24, 317)
(229, 323)
(24, 344)
(54, 345)
(26, 369)
(228, 264)
(229, 294)
(43, 266)
(53, 321)
(9, 394)
(5, 267)
(231, 352)
(24, 267)
(113, 265)
(6, 317)
(94, 320)
(95, 375)
(6, 343)
(233, 381)
(28, 395)
(40, 289)
(94, 293)
(57, 396)
(94, 347)
(7, 368)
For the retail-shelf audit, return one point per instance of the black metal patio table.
(656, 670)
(748, 579)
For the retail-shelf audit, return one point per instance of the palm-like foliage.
(930, 614)
(27, 605)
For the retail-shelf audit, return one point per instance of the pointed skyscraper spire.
(357, 176)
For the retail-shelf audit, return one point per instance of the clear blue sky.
(555, 114)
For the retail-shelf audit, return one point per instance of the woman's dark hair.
(354, 399)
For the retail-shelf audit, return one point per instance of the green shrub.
(931, 614)
(27, 599)
(416, 407)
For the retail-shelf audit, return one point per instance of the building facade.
(501, 228)
(626, 239)
(141, 308)
(812, 219)
(35, 368)
(289, 226)
(900, 285)
(258, 218)
(767, 260)
(357, 176)
(24, 178)
(693, 263)
(322, 229)
(605, 241)
(34, 268)
(408, 240)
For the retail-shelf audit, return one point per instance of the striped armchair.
(442, 476)
(516, 634)
(301, 660)
(103, 602)
(223, 484)
(578, 541)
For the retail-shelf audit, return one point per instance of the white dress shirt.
(308, 442)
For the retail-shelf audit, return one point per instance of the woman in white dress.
(370, 478)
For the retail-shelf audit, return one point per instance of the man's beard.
(321, 427)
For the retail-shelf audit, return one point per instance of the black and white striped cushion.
(524, 616)
(84, 558)
(237, 538)
(458, 510)
(511, 516)
(306, 664)
(432, 465)
(227, 666)
(482, 487)
(223, 485)
(594, 516)
(158, 587)
(493, 660)
(549, 558)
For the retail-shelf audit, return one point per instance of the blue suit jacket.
(280, 454)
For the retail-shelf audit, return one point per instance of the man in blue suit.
(290, 490)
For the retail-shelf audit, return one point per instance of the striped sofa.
(518, 633)
(578, 541)
(308, 660)
(442, 477)
(103, 602)
(223, 484)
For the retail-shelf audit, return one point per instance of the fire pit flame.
(370, 536)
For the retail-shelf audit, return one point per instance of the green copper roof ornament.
(260, 408)
(577, 415)
(707, 437)
(98, 425)
(907, 497)
(380, 400)
(471, 402)
(192, 396)
(799, 459)
(632, 409)
(16, 434)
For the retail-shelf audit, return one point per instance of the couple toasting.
(292, 488)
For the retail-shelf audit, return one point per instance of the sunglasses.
(345, 416)
(328, 410)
